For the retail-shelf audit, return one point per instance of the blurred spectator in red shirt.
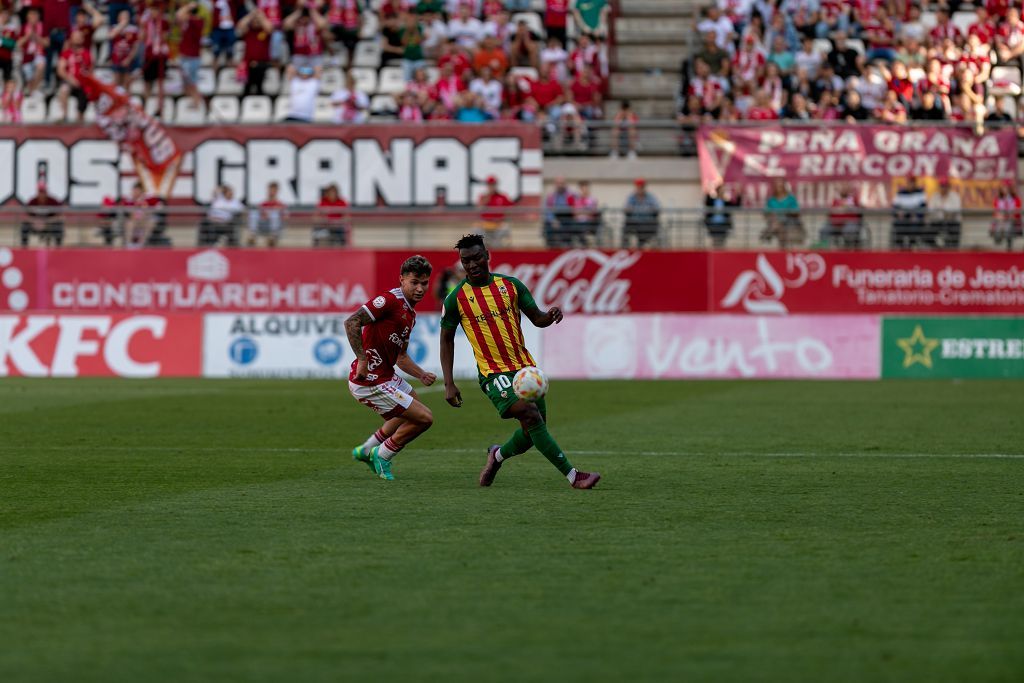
(624, 123)
(308, 27)
(124, 47)
(586, 93)
(191, 26)
(74, 61)
(331, 226)
(10, 103)
(267, 220)
(256, 29)
(556, 14)
(493, 222)
(156, 32)
(33, 44)
(43, 219)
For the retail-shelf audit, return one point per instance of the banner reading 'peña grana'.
(876, 160)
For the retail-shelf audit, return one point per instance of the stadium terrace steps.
(643, 85)
(645, 109)
(658, 8)
(642, 57)
(647, 30)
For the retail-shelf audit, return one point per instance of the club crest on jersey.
(378, 302)
(472, 299)
(502, 289)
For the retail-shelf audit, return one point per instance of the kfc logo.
(99, 346)
(760, 291)
(11, 279)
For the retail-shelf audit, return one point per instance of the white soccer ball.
(530, 384)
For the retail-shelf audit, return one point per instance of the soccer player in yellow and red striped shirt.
(489, 306)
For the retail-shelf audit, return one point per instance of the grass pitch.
(219, 530)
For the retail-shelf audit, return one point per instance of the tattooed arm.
(354, 329)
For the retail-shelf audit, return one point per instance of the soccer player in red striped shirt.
(489, 306)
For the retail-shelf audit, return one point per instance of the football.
(530, 384)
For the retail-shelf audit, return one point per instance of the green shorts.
(498, 388)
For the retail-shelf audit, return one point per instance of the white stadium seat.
(166, 114)
(272, 82)
(368, 54)
(227, 82)
(207, 82)
(1005, 80)
(857, 45)
(224, 109)
(963, 20)
(256, 109)
(371, 26)
(391, 81)
(281, 108)
(331, 79)
(188, 114)
(366, 80)
(33, 109)
(323, 111)
(383, 104)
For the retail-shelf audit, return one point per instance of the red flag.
(154, 153)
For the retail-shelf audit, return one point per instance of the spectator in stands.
(892, 109)
(719, 204)
(10, 102)
(470, 108)
(309, 29)
(267, 220)
(138, 219)
(556, 15)
(125, 41)
(554, 57)
(585, 93)
(523, 49)
(493, 220)
(8, 43)
(909, 206)
(345, 19)
(782, 217)
(549, 97)
(464, 28)
(714, 56)
(879, 34)
(845, 219)
(808, 58)
(351, 105)
(998, 115)
(222, 32)
(303, 85)
(222, 218)
(492, 56)
(642, 212)
(411, 37)
(571, 125)
(853, 110)
(592, 16)
(845, 61)
(927, 107)
(87, 20)
(587, 214)
(1006, 215)
(781, 56)
(559, 217)
(57, 25)
(156, 32)
(409, 110)
(1010, 39)
(714, 20)
(33, 44)
(331, 225)
(435, 33)
(944, 215)
(43, 219)
(256, 29)
(490, 91)
(624, 124)
(797, 109)
(191, 25)
(74, 61)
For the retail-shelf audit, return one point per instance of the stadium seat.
(54, 112)
(1005, 80)
(207, 82)
(323, 111)
(1009, 105)
(367, 54)
(166, 114)
(433, 74)
(188, 114)
(224, 109)
(525, 72)
(822, 46)
(256, 109)
(366, 80)
(857, 45)
(281, 108)
(391, 81)
(90, 113)
(330, 80)
(227, 82)
(206, 57)
(33, 109)
(383, 105)
(929, 20)
(963, 20)
(137, 87)
(272, 82)
(532, 20)
(102, 52)
(371, 26)
(174, 83)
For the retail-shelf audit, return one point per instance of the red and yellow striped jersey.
(490, 317)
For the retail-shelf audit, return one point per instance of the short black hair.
(467, 241)
(417, 265)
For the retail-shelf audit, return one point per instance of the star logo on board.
(918, 348)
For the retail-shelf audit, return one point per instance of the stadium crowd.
(880, 60)
(463, 60)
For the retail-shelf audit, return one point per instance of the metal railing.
(521, 227)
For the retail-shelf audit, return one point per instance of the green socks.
(546, 445)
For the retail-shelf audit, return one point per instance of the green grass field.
(219, 530)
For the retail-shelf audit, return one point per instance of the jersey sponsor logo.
(378, 302)
(395, 339)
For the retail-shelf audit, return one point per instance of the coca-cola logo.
(760, 291)
(579, 280)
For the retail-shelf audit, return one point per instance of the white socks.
(571, 476)
(498, 456)
(387, 450)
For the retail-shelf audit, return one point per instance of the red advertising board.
(184, 280)
(777, 283)
(102, 345)
(392, 165)
(818, 160)
(589, 281)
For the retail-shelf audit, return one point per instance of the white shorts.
(389, 398)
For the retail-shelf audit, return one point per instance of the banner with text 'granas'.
(874, 160)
